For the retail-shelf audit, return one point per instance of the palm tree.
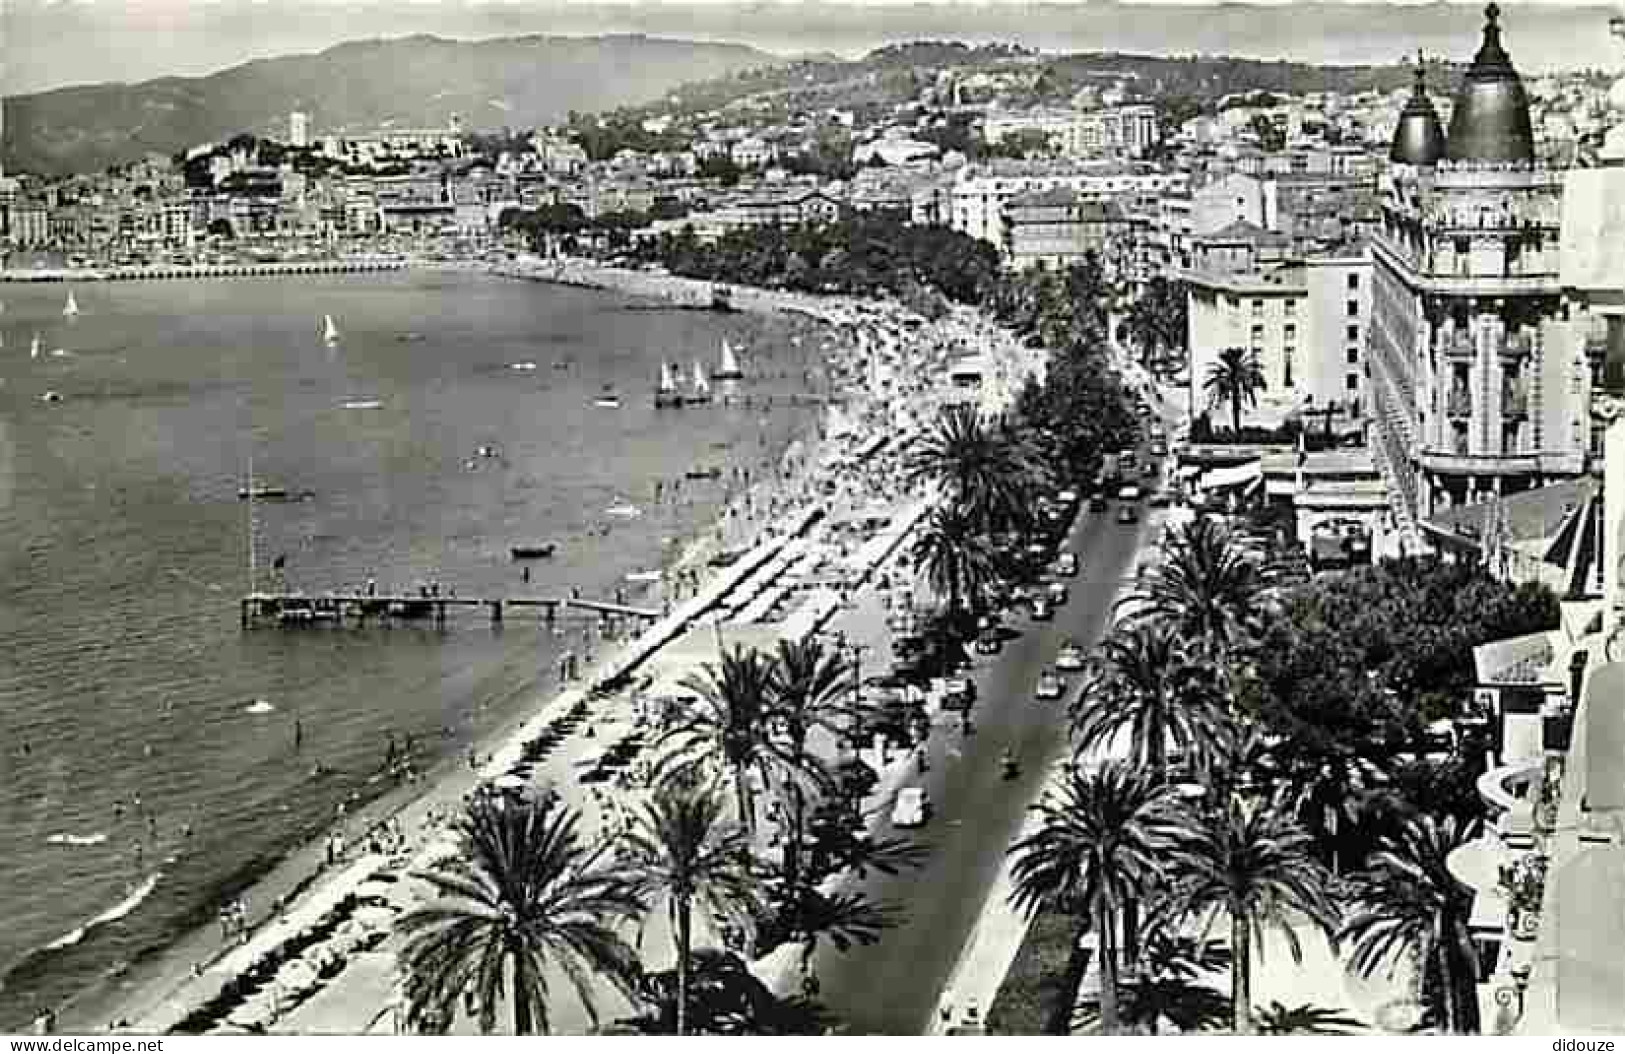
(1205, 586)
(1146, 685)
(725, 999)
(1236, 378)
(1099, 840)
(525, 895)
(1306, 1019)
(731, 728)
(681, 848)
(1254, 864)
(813, 690)
(1408, 906)
(956, 555)
(983, 469)
(1170, 985)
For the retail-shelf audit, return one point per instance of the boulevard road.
(892, 988)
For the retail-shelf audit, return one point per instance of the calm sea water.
(124, 548)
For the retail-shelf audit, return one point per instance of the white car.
(912, 807)
(1049, 686)
(1129, 493)
(1042, 609)
(1070, 658)
(1066, 565)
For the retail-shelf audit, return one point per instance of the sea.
(455, 416)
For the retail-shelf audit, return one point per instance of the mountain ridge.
(417, 80)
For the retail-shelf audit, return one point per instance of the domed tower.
(1418, 137)
(1491, 119)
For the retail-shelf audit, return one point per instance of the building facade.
(1478, 361)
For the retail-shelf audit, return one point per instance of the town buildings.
(1117, 131)
(1481, 361)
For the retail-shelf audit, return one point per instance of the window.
(1258, 335)
(1354, 309)
(1352, 382)
(1354, 334)
(1353, 356)
(1258, 309)
(1291, 308)
(1354, 282)
(1286, 367)
(1289, 333)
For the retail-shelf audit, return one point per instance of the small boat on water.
(523, 367)
(643, 576)
(533, 552)
(71, 308)
(625, 510)
(330, 331)
(667, 394)
(702, 387)
(362, 404)
(51, 397)
(713, 472)
(729, 369)
(487, 450)
(608, 399)
(33, 349)
(263, 493)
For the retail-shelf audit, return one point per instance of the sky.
(52, 43)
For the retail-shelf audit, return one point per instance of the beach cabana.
(350, 1007)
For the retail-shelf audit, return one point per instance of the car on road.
(958, 693)
(1161, 500)
(912, 808)
(1050, 686)
(1128, 514)
(1066, 565)
(1043, 610)
(1067, 497)
(1071, 657)
(1159, 448)
(1129, 493)
(1098, 502)
(988, 642)
(1056, 592)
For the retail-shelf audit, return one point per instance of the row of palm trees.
(528, 896)
(1170, 804)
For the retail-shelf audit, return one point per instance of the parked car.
(1159, 448)
(1128, 514)
(1129, 493)
(988, 642)
(1056, 591)
(1098, 502)
(1043, 611)
(1071, 657)
(1050, 686)
(1066, 565)
(959, 693)
(912, 807)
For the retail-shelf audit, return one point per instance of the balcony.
(1453, 464)
(1457, 346)
(1515, 403)
(1459, 404)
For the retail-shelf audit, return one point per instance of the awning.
(1234, 475)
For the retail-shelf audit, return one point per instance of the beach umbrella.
(376, 890)
(255, 1012)
(375, 918)
(296, 977)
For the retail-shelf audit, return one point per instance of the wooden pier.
(303, 609)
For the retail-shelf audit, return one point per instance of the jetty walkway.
(299, 609)
(268, 269)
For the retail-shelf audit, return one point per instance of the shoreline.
(164, 985)
(132, 991)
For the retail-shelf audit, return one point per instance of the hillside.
(419, 81)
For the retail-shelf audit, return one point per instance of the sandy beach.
(889, 368)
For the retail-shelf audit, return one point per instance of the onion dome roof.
(1418, 137)
(1491, 117)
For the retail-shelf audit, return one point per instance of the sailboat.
(71, 308)
(667, 394)
(702, 387)
(33, 349)
(330, 332)
(729, 371)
